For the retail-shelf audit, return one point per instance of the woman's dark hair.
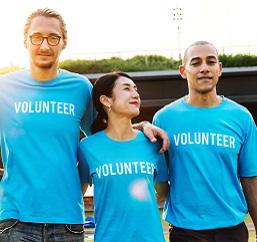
(104, 86)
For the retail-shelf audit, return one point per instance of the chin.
(136, 114)
(42, 64)
(206, 90)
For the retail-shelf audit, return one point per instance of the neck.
(44, 74)
(203, 100)
(121, 130)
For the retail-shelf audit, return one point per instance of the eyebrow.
(208, 57)
(128, 85)
(39, 33)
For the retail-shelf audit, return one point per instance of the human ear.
(25, 43)
(182, 71)
(105, 100)
(220, 67)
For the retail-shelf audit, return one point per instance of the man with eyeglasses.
(42, 110)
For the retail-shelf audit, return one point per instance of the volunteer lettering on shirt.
(125, 168)
(204, 138)
(44, 107)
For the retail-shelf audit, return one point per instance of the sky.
(124, 28)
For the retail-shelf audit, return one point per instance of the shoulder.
(235, 107)
(75, 77)
(13, 74)
(144, 141)
(10, 78)
(173, 106)
(237, 112)
(92, 140)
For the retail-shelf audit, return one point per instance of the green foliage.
(238, 60)
(146, 63)
(140, 63)
(9, 69)
(137, 63)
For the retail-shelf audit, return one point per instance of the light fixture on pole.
(177, 16)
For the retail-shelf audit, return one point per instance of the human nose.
(136, 94)
(44, 44)
(204, 67)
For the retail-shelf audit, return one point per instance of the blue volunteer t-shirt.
(40, 132)
(123, 174)
(211, 148)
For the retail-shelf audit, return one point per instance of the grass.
(248, 220)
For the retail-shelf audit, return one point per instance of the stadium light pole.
(177, 16)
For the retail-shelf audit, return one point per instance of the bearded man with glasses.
(42, 111)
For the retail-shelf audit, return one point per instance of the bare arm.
(154, 132)
(162, 189)
(1, 166)
(1, 173)
(249, 185)
(84, 188)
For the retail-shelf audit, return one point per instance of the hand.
(154, 132)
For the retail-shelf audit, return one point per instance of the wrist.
(143, 124)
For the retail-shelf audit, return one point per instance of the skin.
(202, 70)
(249, 185)
(152, 132)
(44, 61)
(44, 58)
(125, 105)
(1, 173)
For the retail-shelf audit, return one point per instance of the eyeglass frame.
(43, 38)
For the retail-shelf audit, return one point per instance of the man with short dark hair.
(213, 148)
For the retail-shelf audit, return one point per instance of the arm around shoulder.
(153, 133)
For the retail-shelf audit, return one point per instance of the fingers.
(165, 141)
(165, 146)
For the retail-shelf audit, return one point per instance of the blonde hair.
(46, 12)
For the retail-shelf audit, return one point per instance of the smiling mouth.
(44, 54)
(205, 78)
(134, 103)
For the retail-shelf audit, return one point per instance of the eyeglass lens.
(51, 40)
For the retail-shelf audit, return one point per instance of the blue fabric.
(210, 149)
(39, 138)
(124, 196)
(89, 222)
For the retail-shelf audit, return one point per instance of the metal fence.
(169, 53)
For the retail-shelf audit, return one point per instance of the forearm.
(153, 133)
(249, 185)
(84, 188)
(162, 189)
(1, 173)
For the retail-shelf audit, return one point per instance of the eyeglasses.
(52, 40)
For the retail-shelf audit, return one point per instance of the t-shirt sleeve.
(248, 153)
(162, 169)
(89, 113)
(83, 168)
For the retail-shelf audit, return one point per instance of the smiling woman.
(124, 180)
